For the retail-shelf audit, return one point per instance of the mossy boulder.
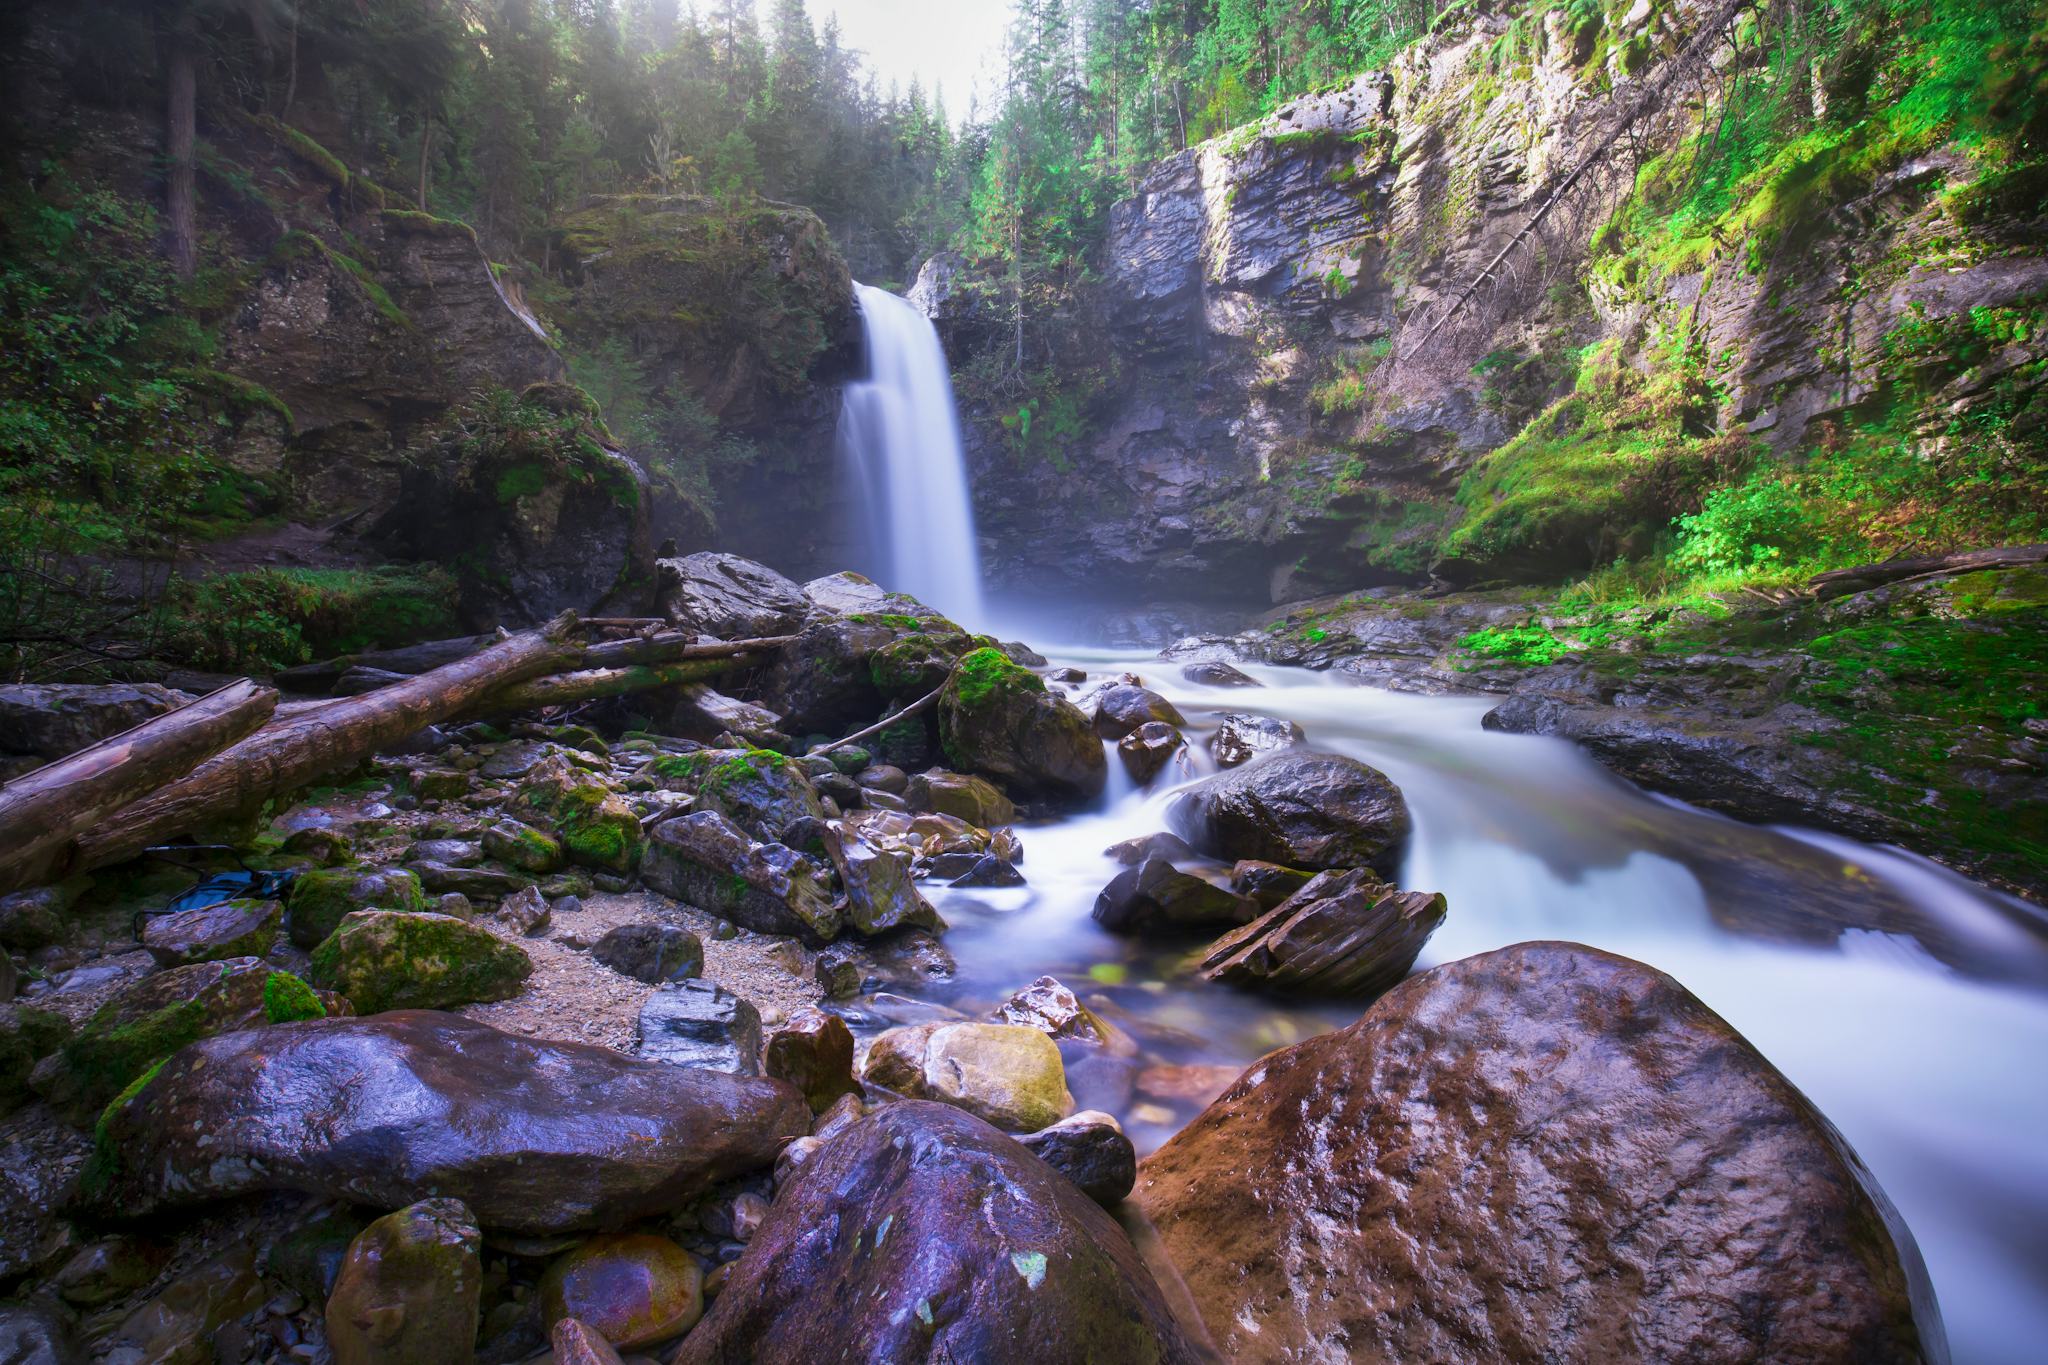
(920, 658)
(759, 790)
(997, 719)
(524, 847)
(26, 1035)
(383, 960)
(410, 1289)
(1004, 1074)
(160, 1014)
(237, 928)
(705, 859)
(320, 899)
(597, 829)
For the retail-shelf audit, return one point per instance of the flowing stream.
(899, 443)
(1908, 1003)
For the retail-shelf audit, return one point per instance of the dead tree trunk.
(592, 683)
(42, 810)
(290, 753)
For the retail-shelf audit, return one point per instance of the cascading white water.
(899, 442)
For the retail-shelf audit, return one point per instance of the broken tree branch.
(1842, 582)
(42, 810)
(675, 647)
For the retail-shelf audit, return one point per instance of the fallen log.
(43, 810)
(591, 684)
(1842, 582)
(675, 647)
(411, 660)
(293, 752)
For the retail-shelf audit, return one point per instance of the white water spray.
(899, 442)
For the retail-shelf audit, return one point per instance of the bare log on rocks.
(411, 660)
(41, 811)
(1345, 933)
(292, 752)
(1842, 582)
(590, 684)
(882, 724)
(672, 647)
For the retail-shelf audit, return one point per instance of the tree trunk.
(1842, 582)
(413, 659)
(591, 684)
(292, 752)
(181, 78)
(675, 647)
(42, 810)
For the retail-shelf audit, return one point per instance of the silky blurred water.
(1908, 1003)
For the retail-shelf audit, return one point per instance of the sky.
(957, 44)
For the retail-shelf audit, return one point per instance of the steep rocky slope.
(1247, 401)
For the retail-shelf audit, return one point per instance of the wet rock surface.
(1006, 1075)
(409, 1289)
(387, 960)
(1090, 1149)
(1298, 808)
(728, 597)
(1546, 1104)
(705, 859)
(699, 1024)
(534, 1137)
(1156, 898)
(871, 1222)
(1343, 934)
(653, 953)
(631, 1289)
(998, 720)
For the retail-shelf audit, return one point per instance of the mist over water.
(900, 455)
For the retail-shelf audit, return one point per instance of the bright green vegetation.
(273, 618)
(286, 1000)
(985, 675)
(387, 961)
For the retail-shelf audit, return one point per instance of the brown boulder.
(814, 1053)
(634, 1289)
(866, 1256)
(410, 1289)
(536, 1137)
(1148, 749)
(1240, 738)
(1345, 933)
(1542, 1153)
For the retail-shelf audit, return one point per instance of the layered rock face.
(1543, 1152)
(1250, 412)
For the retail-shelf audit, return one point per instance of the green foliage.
(266, 619)
(286, 999)
(1532, 645)
(986, 674)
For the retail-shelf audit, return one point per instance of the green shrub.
(267, 619)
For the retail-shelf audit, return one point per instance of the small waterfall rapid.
(899, 442)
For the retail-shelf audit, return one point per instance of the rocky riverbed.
(1062, 1017)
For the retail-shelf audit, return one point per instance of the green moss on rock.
(386, 961)
(286, 999)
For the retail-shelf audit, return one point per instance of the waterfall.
(899, 441)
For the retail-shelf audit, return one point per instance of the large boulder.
(410, 1289)
(881, 889)
(1240, 738)
(1121, 708)
(50, 720)
(961, 795)
(321, 898)
(762, 792)
(1545, 1152)
(239, 928)
(997, 719)
(1345, 933)
(598, 830)
(388, 960)
(1009, 1075)
(729, 597)
(865, 1255)
(821, 683)
(1154, 897)
(705, 859)
(700, 1024)
(535, 1137)
(650, 952)
(704, 714)
(1299, 808)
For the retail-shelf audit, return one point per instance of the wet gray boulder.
(708, 861)
(1547, 1105)
(537, 1138)
(871, 1225)
(729, 597)
(652, 953)
(997, 719)
(1147, 750)
(881, 888)
(51, 720)
(764, 793)
(1090, 1149)
(700, 1024)
(1156, 898)
(1240, 738)
(707, 715)
(1343, 934)
(1298, 808)
(1121, 708)
(239, 928)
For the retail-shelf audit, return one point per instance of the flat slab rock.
(1541, 1153)
(920, 1233)
(535, 1137)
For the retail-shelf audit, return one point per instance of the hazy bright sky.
(957, 44)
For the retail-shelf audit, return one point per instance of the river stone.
(1050, 1007)
(704, 714)
(1009, 1076)
(598, 830)
(633, 1289)
(1147, 750)
(577, 1343)
(1344, 934)
(178, 1325)
(884, 777)
(383, 961)
(52, 720)
(522, 846)
(1131, 852)
(727, 596)
(1299, 808)
(989, 870)
(1121, 708)
(1545, 1152)
(764, 793)
(319, 899)
(476, 883)
(814, 1053)
(240, 928)
(525, 912)
(1216, 673)
(926, 835)
(156, 1016)
(537, 1138)
(38, 917)
(962, 795)
(1155, 898)
(36, 1334)
(705, 859)
(998, 720)
(410, 1289)
(1267, 883)
(1241, 738)
(700, 1024)
(1090, 1149)
(652, 953)
(881, 890)
(872, 1226)
(108, 1269)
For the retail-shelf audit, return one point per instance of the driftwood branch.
(884, 723)
(41, 811)
(291, 752)
(1842, 582)
(675, 647)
